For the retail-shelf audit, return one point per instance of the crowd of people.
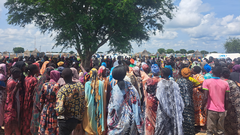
(135, 96)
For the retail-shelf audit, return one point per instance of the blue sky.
(197, 25)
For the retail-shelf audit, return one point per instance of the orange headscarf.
(44, 66)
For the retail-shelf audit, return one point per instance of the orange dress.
(200, 120)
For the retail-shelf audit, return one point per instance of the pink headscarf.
(3, 72)
(54, 76)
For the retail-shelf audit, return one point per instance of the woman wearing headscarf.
(3, 78)
(44, 66)
(48, 118)
(93, 121)
(200, 120)
(107, 90)
(170, 106)
(21, 65)
(232, 119)
(151, 101)
(12, 105)
(207, 68)
(137, 73)
(35, 121)
(54, 76)
(235, 75)
(30, 84)
(124, 109)
(186, 90)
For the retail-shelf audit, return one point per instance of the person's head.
(155, 69)
(207, 68)
(126, 68)
(226, 73)
(236, 68)
(165, 73)
(21, 65)
(51, 65)
(196, 70)
(67, 74)
(119, 73)
(186, 72)
(217, 71)
(32, 69)
(136, 71)
(145, 68)
(15, 72)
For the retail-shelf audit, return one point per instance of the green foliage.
(232, 45)
(18, 50)
(86, 25)
(177, 51)
(183, 51)
(161, 50)
(71, 52)
(170, 51)
(190, 51)
(214, 52)
(204, 52)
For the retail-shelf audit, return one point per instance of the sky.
(197, 25)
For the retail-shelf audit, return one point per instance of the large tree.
(183, 51)
(191, 51)
(18, 50)
(170, 51)
(161, 50)
(232, 45)
(204, 52)
(87, 25)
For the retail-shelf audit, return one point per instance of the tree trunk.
(86, 60)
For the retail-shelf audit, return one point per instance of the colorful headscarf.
(169, 67)
(60, 69)
(101, 72)
(104, 64)
(132, 61)
(136, 71)
(207, 68)
(75, 77)
(145, 67)
(186, 72)
(54, 76)
(155, 69)
(3, 67)
(94, 80)
(60, 63)
(236, 68)
(44, 66)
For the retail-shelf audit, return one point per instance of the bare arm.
(226, 100)
(82, 68)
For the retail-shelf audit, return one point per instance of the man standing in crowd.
(70, 104)
(216, 96)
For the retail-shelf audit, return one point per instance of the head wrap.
(155, 69)
(186, 72)
(207, 68)
(15, 59)
(145, 67)
(136, 71)
(236, 68)
(75, 77)
(37, 64)
(60, 69)
(132, 61)
(44, 66)
(4, 69)
(60, 63)
(169, 67)
(54, 76)
(104, 64)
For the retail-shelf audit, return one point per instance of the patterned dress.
(30, 83)
(11, 115)
(200, 120)
(170, 108)
(151, 105)
(48, 121)
(232, 120)
(2, 101)
(186, 90)
(124, 111)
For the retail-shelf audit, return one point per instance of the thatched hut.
(197, 54)
(145, 53)
(27, 53)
